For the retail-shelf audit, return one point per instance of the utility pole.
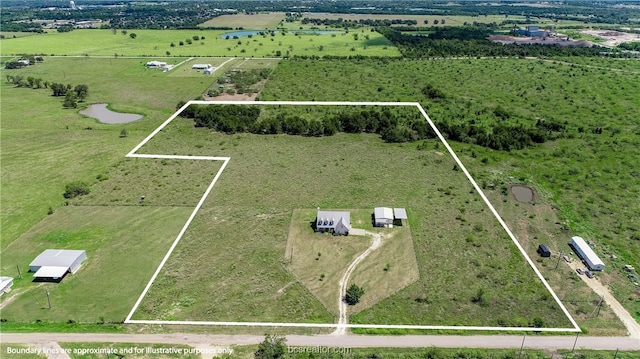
(616, 354)
(600, 305)
(560, 256)
(522, 345)
(48, 298)
(19, 274)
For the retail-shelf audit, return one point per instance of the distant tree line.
(72, 95)
(348, 23)
(633, 46)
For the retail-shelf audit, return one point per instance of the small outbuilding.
(382, 217)
(201, 66)
(5, 284)
(544, 251)
(335, 222)
(54, 264)
(156, 64)
(399, 215)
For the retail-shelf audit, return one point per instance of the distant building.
(399, 215)
(587, 254)
(155, 64)
(532, 31)
(201, 66)
(335, 222)
(5, 284)
(54, 264)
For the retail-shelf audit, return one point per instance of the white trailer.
(586, 253)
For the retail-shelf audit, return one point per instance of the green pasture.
(112, 277)
(253, 21)
(153, 43)
(44, 146)
(588, 177)
(242, 229)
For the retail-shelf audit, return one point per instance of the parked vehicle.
(580, 271)
(589, 274)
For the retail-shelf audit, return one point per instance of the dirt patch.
(551, 40)
(523, 194)
(235, 97)
(613, 38)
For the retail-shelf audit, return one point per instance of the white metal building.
(586, 253)
(201, 66)
(56, 263)
(5, 284)
(382, 217)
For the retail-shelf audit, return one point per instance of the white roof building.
(336, 222)
(156, 64)
(586, 253)
(5, 284)
(55, 263)
(383, 217)
(201, 66)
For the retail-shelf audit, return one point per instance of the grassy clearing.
(388, 269)
(101, 42)
(115, 239)
(45, 146)
(588, 177)
(259, 21)
(318, 260)
(237, 212)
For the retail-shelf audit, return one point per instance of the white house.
(586, 253)
(335, 222)
(201, 66)
(156, 64)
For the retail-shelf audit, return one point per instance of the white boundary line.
(226, 160)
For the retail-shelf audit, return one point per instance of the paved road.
(350, 341)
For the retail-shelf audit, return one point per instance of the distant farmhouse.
(53, 264)
(335, 222)
(201, 66)
(155, 64)
(386, 217)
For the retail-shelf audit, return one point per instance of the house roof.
(57, 258)
(51, 272)
(333, 216)
(400, 213)
(383, 213)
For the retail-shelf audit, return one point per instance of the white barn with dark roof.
(336, 222)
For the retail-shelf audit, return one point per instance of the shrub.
(353, 295)
(75, 189)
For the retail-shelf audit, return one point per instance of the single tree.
(81, 91)
(70, 100)
(272, 347)
(353, 295)
(132, 35)
(75, 189)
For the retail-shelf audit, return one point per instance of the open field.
(41, 140)
(259, 21)
(101, 42)
(109, 281)
(448, 20)
(588, 177)
(270, 160)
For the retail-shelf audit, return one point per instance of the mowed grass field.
(240, 235)
(589, 178)
(124, 246)
(258, 21)
(44, 146)
(102, 42)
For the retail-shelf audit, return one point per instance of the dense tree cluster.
(232, 119)
(347, 23)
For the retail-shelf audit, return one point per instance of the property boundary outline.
(133, 154)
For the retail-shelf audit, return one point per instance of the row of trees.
(347, 23)
(233, 119)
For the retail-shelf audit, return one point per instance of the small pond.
(256, 32)
(523, 193)
(101, 113)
